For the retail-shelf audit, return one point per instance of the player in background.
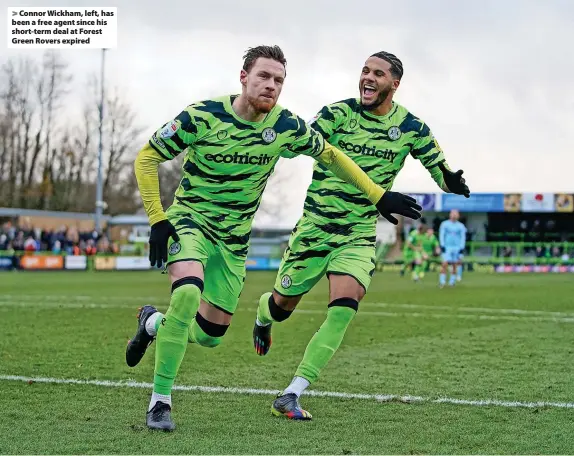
(415, 243)
(408, 256)
(231, 145)
(431, 248)
(452, 238)
(336, 234)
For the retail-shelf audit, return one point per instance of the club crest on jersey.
(221, 134)
(353, 124)
(269, 135)
(174, 248)
(169, 130)
(394, 133)
(286, 281)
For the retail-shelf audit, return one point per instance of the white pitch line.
(5, 306)
(313, 393)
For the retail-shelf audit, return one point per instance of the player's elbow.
(328, 156)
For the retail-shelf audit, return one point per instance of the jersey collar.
(380, 118)
(228, 102)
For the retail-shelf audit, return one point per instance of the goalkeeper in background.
(452, 237)
(231, 146)
(337, 233)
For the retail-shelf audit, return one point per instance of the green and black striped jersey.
(379, 145)
(228, 161)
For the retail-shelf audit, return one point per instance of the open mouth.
(369, 90)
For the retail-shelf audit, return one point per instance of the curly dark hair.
(396, 64)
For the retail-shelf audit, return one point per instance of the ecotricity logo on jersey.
(370, 151)
(240, 159)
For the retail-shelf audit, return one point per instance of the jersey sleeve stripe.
(423, 150)
(154, 147)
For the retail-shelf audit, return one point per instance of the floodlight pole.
(99, 183)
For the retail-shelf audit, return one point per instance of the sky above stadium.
(493, 79)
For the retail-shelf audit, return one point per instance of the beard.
(383, 94)
(261, 106)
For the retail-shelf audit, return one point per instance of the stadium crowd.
(69, 240)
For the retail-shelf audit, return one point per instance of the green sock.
(199, 336)
(263, 313)
(325, 342)
(194, 329)
(172, 336)
(158, 323)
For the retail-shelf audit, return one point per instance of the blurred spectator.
(90, 248)
(26, 238)
(30, 245)
(18, 241)
(57, 248)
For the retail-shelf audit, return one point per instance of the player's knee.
(281, 307)
(205, 333)
(188, 291)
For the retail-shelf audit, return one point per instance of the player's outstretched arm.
(453, 182)
(387, 202)
(146, 169)
(427, 150)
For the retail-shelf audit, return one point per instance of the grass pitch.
(505, 338)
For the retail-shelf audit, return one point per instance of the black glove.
(398, 203)
(442, 249)
(160, 234)
(454, 181)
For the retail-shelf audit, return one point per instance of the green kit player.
(336, 234)
(408, 255)
(415, 254)
(431, 249)
(231, 146)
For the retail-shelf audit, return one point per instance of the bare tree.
(25, 110)
(46, 158)
(52, 88)
(30, 100)
(9, 100)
